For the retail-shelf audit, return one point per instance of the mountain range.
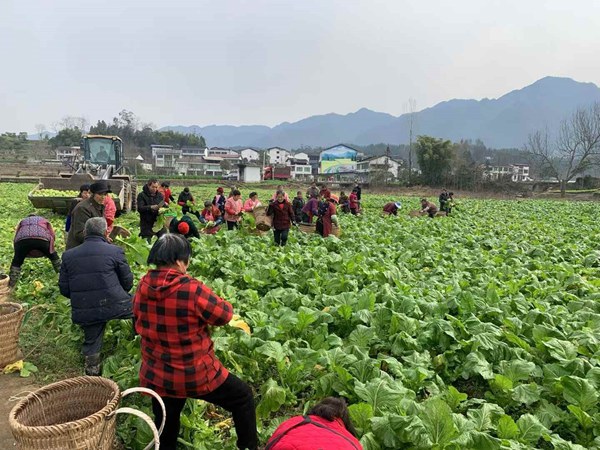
(504, 122)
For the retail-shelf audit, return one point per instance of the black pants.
(234, 395)
(24, 246)
(231, 225)
(281, 236)
(93, 336)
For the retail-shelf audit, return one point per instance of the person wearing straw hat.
(392, 208)
(174, 314)
(96, 277)
(86, 209)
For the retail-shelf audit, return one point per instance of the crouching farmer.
(96, 277)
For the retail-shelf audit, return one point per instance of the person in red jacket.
(326, 211)
(392, 208)
(353, 202)
(283, 216)
(165, 190)
(326, 427)
(173, 314)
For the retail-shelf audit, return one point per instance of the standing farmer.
(174, 313)
(325, 213)
(233, 210)
(86, 209)
(283, 216)
(149, 201)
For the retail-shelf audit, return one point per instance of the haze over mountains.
(504, 122)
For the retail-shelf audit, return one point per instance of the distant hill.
(504, 122)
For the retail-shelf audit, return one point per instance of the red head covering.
(183, 228)
(220, 190)
(326, 193)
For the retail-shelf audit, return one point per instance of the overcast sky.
(184, 62)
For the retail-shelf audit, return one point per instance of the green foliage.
(68, 137)
(127, 126)
(434, 157)
(476, 331)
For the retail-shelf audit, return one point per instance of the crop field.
(476, 331)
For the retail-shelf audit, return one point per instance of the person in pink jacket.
(327, 426)
(285, 196)
(252, 202)
(110, 210)
(233, 210)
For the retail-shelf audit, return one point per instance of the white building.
(278, 156)
(222, 153)
(518, 173)
(192, 151)
(249, 154)
(377, 164)
(194, 165)
(301, 158)
(301, 171)
(165, 156)
(250, 173)
(69, 154)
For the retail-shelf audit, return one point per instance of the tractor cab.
(102, 151)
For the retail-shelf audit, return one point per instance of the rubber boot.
(92, 365)
(14, 274)
(56, 265)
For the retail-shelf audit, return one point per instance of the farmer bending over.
(428, 208)
(34, 238)
(327, 426)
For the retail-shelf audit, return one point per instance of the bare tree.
(70, 123)
(575, 149)
(40, 128)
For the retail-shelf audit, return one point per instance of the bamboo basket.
(4, 279)
(4, 289)
(307, 228)
(263, 222)
(11, 316)
(75, 414)
(311, 228)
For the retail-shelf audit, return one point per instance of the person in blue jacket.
(96, 277)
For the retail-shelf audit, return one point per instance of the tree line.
(129, 128)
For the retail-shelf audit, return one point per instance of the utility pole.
(387, 164)
(412, 106)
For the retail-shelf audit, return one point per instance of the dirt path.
(11, 385)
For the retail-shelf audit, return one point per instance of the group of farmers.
(172, 311)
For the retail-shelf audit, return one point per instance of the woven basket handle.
(144, 416)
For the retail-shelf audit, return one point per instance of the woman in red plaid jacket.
(172, 313)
